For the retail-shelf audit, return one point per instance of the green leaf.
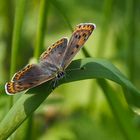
(43, 13)
(122, 115)
(88, 68)
(18, 22)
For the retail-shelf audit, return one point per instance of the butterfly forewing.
(76, 42)
(53, 54)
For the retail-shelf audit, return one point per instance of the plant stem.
(122, 115)
(18, 21)
(130, 37)
(61, 10)
(107, 12)
(44, 5)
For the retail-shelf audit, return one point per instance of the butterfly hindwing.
(28, 77)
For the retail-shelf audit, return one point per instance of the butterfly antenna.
(55, 83)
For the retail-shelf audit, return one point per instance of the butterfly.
(52, 63)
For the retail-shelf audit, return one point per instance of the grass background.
(99, 110)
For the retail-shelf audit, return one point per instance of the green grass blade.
(19, 112)
(91, 68)
(19, 16)
(61, 10)
(106, 17)
(130, 37)
(122, 115)
(98, 68)
(44, 5)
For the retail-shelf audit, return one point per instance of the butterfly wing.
(28, 77)
(36, 74)
(76, 42)
(54, 53)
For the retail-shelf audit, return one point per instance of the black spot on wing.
(79, 37)
(76, 36)
(72, 52)
(77, 46)
(84, 34)
(79, 26)
(31, 83)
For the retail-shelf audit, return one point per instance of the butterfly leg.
(54, 83)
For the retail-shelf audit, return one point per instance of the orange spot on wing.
(10, 87)
(88, 27)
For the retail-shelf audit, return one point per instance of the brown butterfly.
(52, 62)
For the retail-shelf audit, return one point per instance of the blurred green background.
(72, 112)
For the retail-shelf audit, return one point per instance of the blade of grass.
(29, 128)
(19, 112)
(44, 6)
(18, 21)
(92, 68)
(107, 12)
(8, 13)
(130, 37)
(122, 116)
(19, 16)
(62, 11)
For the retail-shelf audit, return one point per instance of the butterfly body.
(52, 62)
